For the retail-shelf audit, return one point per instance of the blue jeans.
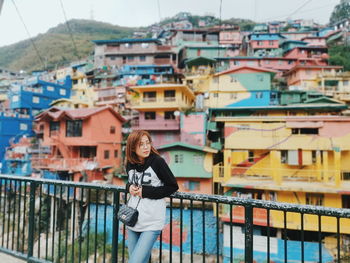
(140, 245)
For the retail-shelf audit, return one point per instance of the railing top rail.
(287, 207)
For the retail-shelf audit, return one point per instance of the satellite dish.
(176, 113)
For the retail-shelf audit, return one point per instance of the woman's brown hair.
(132, 142)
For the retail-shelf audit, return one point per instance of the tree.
(340, 56)
(340, 12)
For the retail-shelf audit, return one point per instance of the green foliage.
(340, 12)
(340, 56)
(86, 249)
(56, 47)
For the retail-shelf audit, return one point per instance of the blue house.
(35, 94)
(26, 100)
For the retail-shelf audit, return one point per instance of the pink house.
(315, 41)
(304, 76)
(231, 36)
(307, 52)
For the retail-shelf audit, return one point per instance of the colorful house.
(294, 159)
(145, 51)
(265, 45)
(35, 94)
(159, 109)
(191, 165)
(86, 144)
(27, 98)
(305, 76)
(82, 94)
(240, 87)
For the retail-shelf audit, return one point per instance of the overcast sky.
(40, 15)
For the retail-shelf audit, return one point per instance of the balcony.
(61, 221)
(156, 125)
(246, 173)
(60, 164)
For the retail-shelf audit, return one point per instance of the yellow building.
(160, 105)
(294, 159)
(334, 84)
(82, 95)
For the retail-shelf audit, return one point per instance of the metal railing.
(61, 221)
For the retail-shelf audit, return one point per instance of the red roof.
(56, 113)
(235, 69)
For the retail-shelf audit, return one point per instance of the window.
(106, 154)
(130, 58)
(63, 92)
(271, 43)
(169, 115)
(74, 128)
(345, 83)
(23, 126)
(216, 80)
(233, 79)
(193, 186)
(314, 199)
(128, 45)
(233, 96)
(345, 201)
(179, 158)
(250, 156)
(197, 159)
(150, 96)
(236, 63)
(313, 156)
(87, 151)
(284, 156)
(150, 115)
(260, 78)
(54, 127)
(260, 43)
(169, 95)
(15, 98)
(50, 88)
(215, 95)
(144, 45)
(142, 58)
(112, 130)
(115, 153)
(36, 99)
(305, 131)
(259, 95)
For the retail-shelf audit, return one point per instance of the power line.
(70, 30)
(302, 12)
(304, 4)
(30, 38)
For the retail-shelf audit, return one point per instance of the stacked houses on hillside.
(256, 114)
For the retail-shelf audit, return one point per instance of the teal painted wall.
(254, 81)
(190, 166)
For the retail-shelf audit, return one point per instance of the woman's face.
(143, 149)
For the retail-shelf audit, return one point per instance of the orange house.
(85, 144)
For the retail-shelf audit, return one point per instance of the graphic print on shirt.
(149, 178)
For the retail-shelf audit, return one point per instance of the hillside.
(56, 47)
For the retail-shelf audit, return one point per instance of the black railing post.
(248, 234)
(31, 225)
(115, 227)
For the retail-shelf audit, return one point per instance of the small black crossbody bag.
(129, 215)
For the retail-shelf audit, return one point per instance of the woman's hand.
(135, 190)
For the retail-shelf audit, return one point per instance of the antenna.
(92, 13)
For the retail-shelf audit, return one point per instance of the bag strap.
(127, 201)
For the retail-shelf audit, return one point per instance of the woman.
(149, 181)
